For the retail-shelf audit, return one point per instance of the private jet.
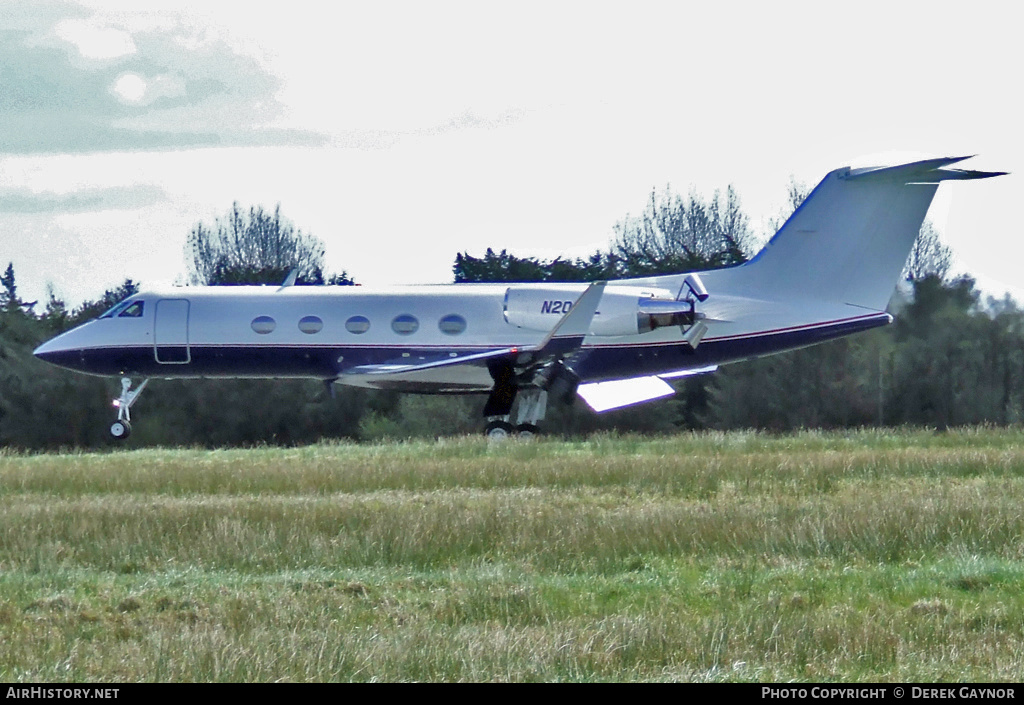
(828, 272)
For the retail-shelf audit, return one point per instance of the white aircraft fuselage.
(828, 272)
(384, 338)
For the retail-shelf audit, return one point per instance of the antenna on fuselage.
(290, 279)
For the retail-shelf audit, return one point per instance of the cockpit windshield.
(130, 308)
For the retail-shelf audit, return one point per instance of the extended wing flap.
(615, 394)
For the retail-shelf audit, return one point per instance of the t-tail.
(849, 240)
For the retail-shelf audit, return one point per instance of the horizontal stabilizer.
(928, 171)
(605, 396)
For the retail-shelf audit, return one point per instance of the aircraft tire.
(499, 430)
(120, 430)
(527, 431)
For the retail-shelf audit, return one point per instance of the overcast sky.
(401, 133)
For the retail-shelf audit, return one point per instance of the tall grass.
(874, 555)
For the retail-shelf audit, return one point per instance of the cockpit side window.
(133, 310)
(116, 309)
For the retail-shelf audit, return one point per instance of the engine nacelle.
(622, 310)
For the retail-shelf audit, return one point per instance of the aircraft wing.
(428, 361)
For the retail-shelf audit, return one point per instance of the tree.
(494, 267)
(674, 234)
(9, 294)
(939, 367)
(254, 247)
(928, 257)
(504, 267)
(56, 316)
(796, 193)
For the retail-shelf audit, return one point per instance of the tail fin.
(850, 238)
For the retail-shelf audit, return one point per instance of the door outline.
(170, 331)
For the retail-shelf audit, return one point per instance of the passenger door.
(170, 332)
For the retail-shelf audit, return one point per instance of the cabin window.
(134, 310)
(264, 324)
(405, 324)
(311, 324)
(357, 324)
(452, 324)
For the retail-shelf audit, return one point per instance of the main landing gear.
(122, 428)
(512, 409)
(529, 408)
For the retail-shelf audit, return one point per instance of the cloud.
(133, 89)
(72, 82)
(94, 41)
(472, 120)
(25, 201)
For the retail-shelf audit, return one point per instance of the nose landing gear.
(122, 428)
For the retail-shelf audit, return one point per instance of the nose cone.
(95, 350)
(72, 349)
(46, 348)
(57, 352)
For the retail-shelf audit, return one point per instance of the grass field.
(866, 556)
